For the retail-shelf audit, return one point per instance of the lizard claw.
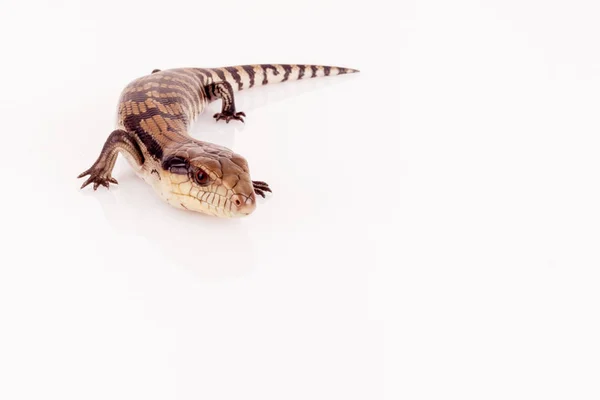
(229, 116)
(98, 177)
(261, 187)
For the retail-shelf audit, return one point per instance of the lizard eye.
(201, 177)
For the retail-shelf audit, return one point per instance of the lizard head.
(207, 178)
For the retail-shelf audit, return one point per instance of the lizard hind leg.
(100, 172)
(224, 91)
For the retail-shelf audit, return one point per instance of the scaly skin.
(155, 113)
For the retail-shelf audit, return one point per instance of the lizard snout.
(243, 204)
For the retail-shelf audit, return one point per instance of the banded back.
(243, 77)
(159, 107)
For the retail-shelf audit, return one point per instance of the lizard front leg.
(260, 188)
(224, 91)
(100, 171)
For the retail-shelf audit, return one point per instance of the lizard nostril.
(242, 204)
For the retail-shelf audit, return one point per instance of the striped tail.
(244, 77)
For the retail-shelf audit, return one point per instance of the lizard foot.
(98, 176)
(261, 187)
(229, 116)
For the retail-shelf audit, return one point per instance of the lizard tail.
(243, 77)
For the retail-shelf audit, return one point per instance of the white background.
(434, 228)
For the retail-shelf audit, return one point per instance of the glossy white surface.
(433, 232)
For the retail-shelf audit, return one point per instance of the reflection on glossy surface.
(207, 246)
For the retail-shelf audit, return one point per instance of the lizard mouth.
(237, 205)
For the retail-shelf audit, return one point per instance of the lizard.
(154, 115)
